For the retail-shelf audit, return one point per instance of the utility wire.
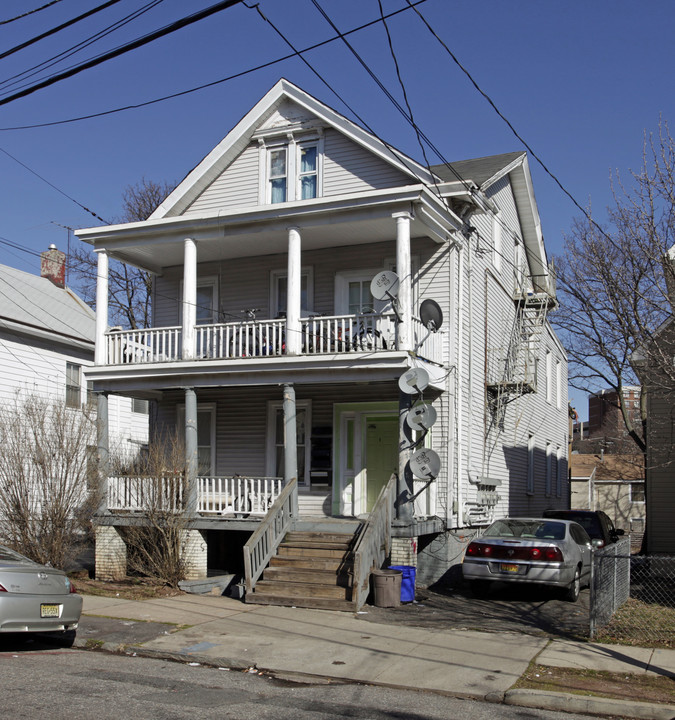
(29, 12)
(72, 199)
(139, 42)
(30, 72)
(54, 30)
(181, 93)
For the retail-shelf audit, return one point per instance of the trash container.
(407, 581)
(387, 587)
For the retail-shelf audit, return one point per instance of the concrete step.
(304, 590)
(316, 603)
(291, 574)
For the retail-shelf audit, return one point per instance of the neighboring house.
(606, 429)
(614, 484)
(659, 371)
(278, 354)
(47, 338)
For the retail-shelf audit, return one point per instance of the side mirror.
(618, 531)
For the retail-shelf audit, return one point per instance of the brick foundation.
(111, 554)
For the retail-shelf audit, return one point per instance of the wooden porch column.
(191, 452)
(404, 272)
(189, 298)
(103, 451)
(101, 349)
(293, 301)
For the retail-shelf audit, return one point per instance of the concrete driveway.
(527, 609)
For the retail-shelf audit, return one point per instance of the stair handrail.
(374, 543)
(263, 544)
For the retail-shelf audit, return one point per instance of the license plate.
(49, 611)
(505, 568)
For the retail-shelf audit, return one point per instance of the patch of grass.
(634, 687)
(92, 644)
(127, 589)
(641, 624)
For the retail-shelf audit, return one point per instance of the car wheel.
(479, 588)
(572, 593)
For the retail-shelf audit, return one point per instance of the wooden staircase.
(312, 569)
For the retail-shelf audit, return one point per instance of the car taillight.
(479, 549)
(548, 554)
(72, 588)
(2, 589)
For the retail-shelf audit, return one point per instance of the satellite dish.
(425, 464)
(431, 315)
(384, 286)
(421, 417)
(413, 381)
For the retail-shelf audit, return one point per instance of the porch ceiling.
(354, 220)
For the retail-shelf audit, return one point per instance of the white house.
(286, 350)
(47, 336)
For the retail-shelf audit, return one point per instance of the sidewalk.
(295, 642)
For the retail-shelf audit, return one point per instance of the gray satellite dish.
(425, 464)
(384, 286)
(413, 381)
(421, 417)
(431, 315)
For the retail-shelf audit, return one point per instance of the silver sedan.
(530, 550)
(36, 598)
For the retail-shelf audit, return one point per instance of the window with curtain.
(73, 384)
(277, 175)
(308, 173)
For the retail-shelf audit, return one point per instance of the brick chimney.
(53, 266)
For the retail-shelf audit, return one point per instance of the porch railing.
(374, 543)
(255, 338)
(426, 343)
(264, 542)
(238, 495)
(143, 494)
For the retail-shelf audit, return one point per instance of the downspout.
(458, 386)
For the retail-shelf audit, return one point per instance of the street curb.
(541, 699)
(569, 702)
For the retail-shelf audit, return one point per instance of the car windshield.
(542, 529)
(7, 554)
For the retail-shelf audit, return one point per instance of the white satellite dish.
(421, 417)
(384, 286)
(425, 464)
(413, 381)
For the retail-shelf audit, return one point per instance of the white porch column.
(191, 451)
(293, 301)
(404, 272)
(101, 348)
(189, 298)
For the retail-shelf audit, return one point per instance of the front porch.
(321, 335)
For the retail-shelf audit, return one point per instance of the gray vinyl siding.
(236, 187)
(349, 168)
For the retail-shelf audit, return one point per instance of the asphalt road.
(74, 684)
(509, 607)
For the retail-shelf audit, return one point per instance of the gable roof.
(240, 136)
(34, 306)
(485, 172)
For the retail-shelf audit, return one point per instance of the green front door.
(381, 454)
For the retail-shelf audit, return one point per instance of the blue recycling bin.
(407, 581)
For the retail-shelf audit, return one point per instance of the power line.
(205, 86)
(139, 42)
(72, 199)
(56, 29)
(30, 72)
(29, 12)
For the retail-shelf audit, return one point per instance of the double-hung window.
(292, 170)
(73, 385)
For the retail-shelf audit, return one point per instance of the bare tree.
(614, 284)
(155, 545)
(45, 477)
(130, 288)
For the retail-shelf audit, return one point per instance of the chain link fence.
(632, 597)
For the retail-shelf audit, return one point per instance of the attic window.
(292, 170)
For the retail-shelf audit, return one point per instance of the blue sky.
(579, 81)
